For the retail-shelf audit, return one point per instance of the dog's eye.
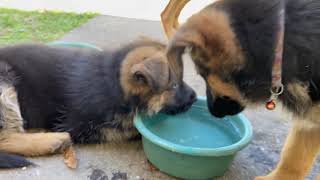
(202, 71)
(174, 86)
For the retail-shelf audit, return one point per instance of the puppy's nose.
(192, 97)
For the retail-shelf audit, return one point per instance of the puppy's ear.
(151, 72)
(183, 40)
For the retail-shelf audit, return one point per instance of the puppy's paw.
(70, 158)
(284, 176)
(263, 178)
(58, 142)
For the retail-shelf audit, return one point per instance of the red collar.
(277, 86)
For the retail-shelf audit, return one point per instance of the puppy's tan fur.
(219, 87)
(153, 60)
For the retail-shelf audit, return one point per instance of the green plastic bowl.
(74, 44)
(193, 145)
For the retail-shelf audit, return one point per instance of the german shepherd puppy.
(232, 43)
(91, 95)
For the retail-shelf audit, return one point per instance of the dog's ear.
(152, 72)
(183, 40)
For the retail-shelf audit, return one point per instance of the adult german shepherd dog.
(84, 96)
(235, 46)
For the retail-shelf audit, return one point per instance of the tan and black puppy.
(233, 45)
(91, 95)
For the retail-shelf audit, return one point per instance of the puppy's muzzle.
(222, 106)
(183, 100)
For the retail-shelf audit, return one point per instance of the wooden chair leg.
(170, 16)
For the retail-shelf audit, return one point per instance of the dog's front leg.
(170, 15)
(35, 144)
(297, 157)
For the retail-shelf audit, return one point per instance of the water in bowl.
(195, 128)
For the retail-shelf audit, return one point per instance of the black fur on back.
(255, 23)
(68, 89)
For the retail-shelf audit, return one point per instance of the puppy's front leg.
(34, 144)
(297, 157)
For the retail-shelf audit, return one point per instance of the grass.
(33, 26)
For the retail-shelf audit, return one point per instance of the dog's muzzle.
(184, 99)
(222, 106)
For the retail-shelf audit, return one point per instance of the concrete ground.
(127, 161)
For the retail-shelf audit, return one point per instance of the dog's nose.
(192, 97)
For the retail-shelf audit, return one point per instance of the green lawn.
(22, 26)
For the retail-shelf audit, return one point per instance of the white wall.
(142, 9)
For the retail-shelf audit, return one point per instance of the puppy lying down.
(81, 96)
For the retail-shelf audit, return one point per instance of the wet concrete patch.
(98, 174)
(119, 176)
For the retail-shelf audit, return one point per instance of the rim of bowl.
(74, 44)
(221, 151)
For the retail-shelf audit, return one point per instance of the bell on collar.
(271, 105)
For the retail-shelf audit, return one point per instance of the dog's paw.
(70, 158)
(284, 176)
(58, 142)
(263, 178)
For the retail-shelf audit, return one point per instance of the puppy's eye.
(174, 86)
(202, 71)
